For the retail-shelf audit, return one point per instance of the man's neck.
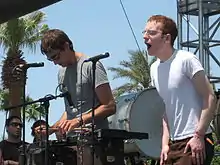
(166, 54)
(75, 57)
(13, 140)
(78, 55)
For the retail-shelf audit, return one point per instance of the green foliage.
(24, 32)
(15, 35)
(32, 112)
(216, 159)
(136, 70)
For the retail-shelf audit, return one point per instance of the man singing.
(189, 99)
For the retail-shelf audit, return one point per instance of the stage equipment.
(140, 112)
(108, 145)
(59, 152)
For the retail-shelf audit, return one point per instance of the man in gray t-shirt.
(79, 84)
(76, 76)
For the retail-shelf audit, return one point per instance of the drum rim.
(138, 94)
(132, 103)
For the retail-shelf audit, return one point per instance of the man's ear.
(66, 46)
(167, 38)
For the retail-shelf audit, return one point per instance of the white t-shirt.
(173, 81)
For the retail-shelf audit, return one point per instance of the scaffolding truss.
(198, 24)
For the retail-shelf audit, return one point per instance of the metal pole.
(201, 24)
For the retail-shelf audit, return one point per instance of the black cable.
(188, 21)
(59, 86)
(130, 25)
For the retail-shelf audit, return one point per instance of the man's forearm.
(102, 111)
(10, 162)
(166, 135)
(207, 115)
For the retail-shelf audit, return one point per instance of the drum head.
(146, 116)
(140, 112)
(119, 119)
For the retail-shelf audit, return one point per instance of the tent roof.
(15, 8)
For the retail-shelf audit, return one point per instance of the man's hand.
(69, 125)
(60, 134)
(10, 162)
(42, 130)
(163, 154)
(197, 146)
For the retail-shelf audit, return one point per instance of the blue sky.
(95, 27)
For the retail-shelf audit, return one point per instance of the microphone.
(98, 57)
(31, 65)
(68, 98)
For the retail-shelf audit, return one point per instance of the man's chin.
(17, 136)
(149, 53)
(65, 65)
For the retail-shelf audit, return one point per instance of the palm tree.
(32, 112)
(15, 35)
(136, 70)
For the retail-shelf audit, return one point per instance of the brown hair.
(54, 39)
(169, 26)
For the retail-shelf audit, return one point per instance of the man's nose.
(146, 36)
(18, 126)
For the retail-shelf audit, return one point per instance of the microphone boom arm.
(41, 100)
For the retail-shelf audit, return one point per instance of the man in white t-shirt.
(189, 99)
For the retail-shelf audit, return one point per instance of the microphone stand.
(94, 60)
(93, 110)
(46, 106)
(23, 69)
(23, 151)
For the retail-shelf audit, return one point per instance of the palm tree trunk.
(15, 98)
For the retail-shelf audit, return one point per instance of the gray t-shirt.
(77, 79)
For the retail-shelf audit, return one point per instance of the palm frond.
(34, 30)
(125, 64)
(121, 73)
(23, 32)
(4, 102)
(126, 88)
(4, 40)
(136, 70)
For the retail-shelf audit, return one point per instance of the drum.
(140, 112)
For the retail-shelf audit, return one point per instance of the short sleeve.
(191, 66)
(100, 74)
